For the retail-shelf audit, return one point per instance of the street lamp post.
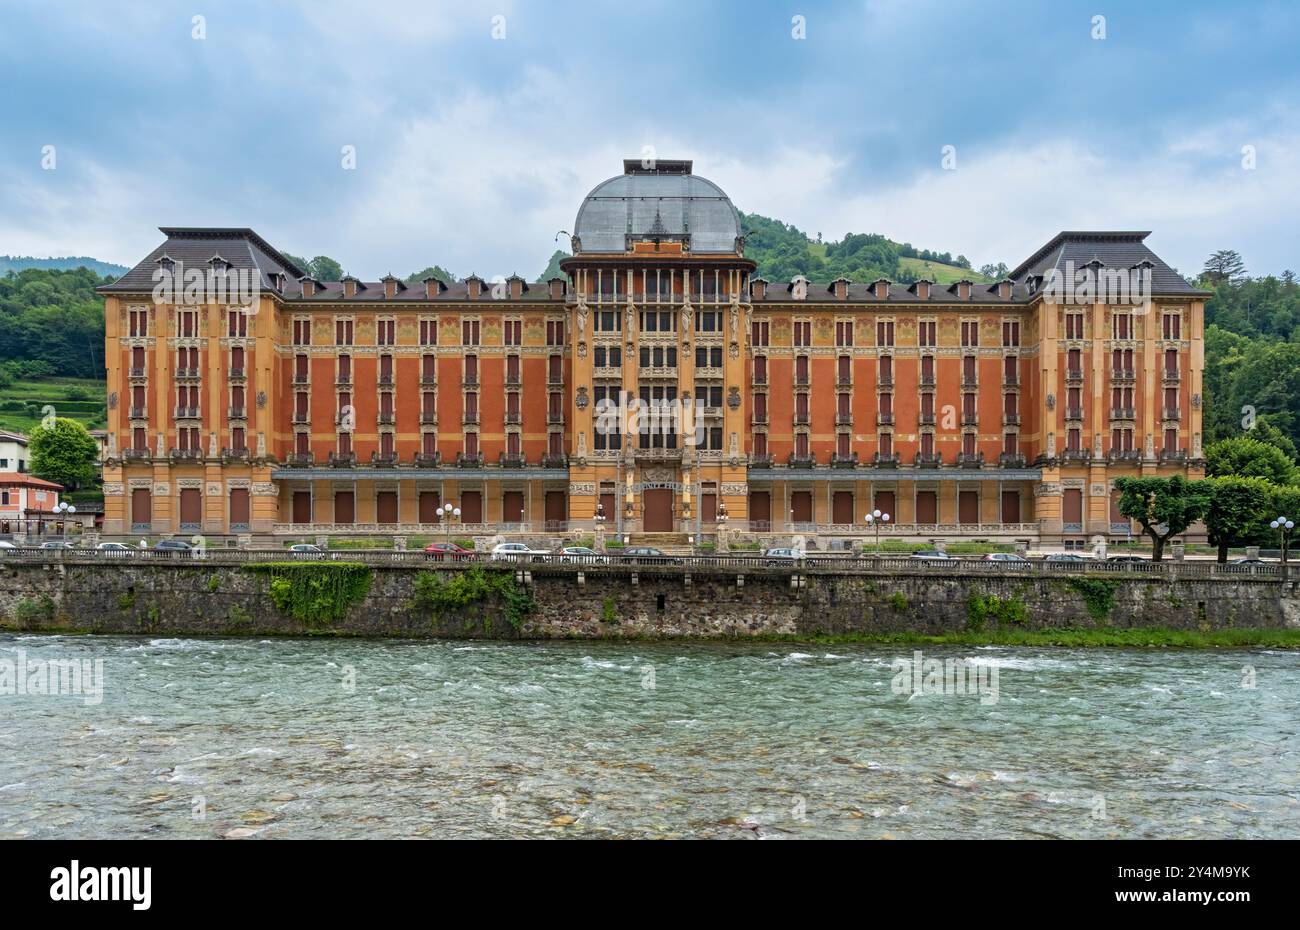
(875, 518)
(446, 513)
(1284, 528)
(61, 509)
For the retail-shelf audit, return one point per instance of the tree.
(1246, 457)
(1239, 511)
(552, 269)
(1266, 432)
(64, 453)
(1223, 265)
(324, 268)
(1164, 507)
(433, 271)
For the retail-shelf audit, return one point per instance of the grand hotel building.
(994, 410)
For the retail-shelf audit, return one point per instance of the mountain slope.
(10, 263)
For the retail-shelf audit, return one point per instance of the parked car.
(307, 551)
(1064, 557)
(783, 556)
(583, 554)
(1249, 561)
(1004, 557)
(1127, 558)
(446, 550)
(649, 555)
(56, 544)
(6, 544)
(516, 552)
(931, 555)
(172, 545)
(115, 550)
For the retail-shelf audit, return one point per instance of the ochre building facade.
(658, 386)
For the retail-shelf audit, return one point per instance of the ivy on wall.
(440, 596)
(315, 592)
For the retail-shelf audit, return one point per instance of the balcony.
(343, 459)
(301, 377)
(884, 419)
(970, 381)
(1123, 413)
(236, 374)
(1172, 455)
(136, 374)
(760, 460)
(556, 378)
(185, 455)
(385, 379)
(760, 378)
(1011, 460)
(885, 380)
(1124, 455)
(657, 454)
(555, 460)
(1123, 374)
(512, 379)
(1010, 419)
(511, 460)
(925, 419)
(970, 419)
(928, 460)
(469, 459)
(554, 418)
(807, 460)
(237, 413)
(301, 416)
(1077, 456)
(885, 460)
(1074, 374)
(469, 418)
(513, 417)
(843, 382)
(301, 459)
(843, 419)
(136, 455)
(469, 379)
(927, 379)
(187, 374)
(427, 459)
(758, 419)
(343, 379)
(428, 418)
(1173, 413)
(801, 419)
(383, 459)
(801, 378)
(708, 371)
(187, 413)
(428, 380)
(648, 372)
(1010, 380)
(1171, 376)
(844, 460)
(1074, 413)
(970, 459)
(229, 455)
(139, 413)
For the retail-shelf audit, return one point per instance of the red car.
(446, 550)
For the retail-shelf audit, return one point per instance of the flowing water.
(329, 738)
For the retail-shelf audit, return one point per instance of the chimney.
(840, 287)
(350, 286)
(433, 287)
(308, 286)
(881, 288)
(962, 289)
(474, 286)
(798, 287)
(758, 288)
(392, 285)
(516, 286)
(923, 290)
(557, 287)
(1004, 288)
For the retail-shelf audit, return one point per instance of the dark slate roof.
(192, 247)
(1115, 250)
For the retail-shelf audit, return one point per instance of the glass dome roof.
(666, 201)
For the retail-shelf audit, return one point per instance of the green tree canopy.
(1163, 507)
(1239, 512)
(1247, 457)
(65, 453)
(433, 271)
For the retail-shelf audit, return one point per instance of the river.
(361, 738)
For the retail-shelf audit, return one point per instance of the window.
(555, 329)
(187, 323)
(428, 332)
(1171, 361)
(1074, 326)
(469, 332)
(386, 332)
(802, 333)
(884, 332)
(236, 323)
(759, 333)
(1171, 440)
(708, 321)
(1172, 326)
(1010, 333)
(302, 332)
(138, 321)
(1122, 325)
(970, 333)
(844, 333)
(760, 369)
(926, 333)
(513, 332)
(605, 321)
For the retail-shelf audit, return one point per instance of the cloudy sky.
(472, 149)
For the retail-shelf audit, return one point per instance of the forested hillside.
(10, 263)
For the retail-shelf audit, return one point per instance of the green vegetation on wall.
(982, 608)
(439, 595)
(315, 592)
(1098, 595)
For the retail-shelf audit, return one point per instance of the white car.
(6, 544)
(115, 549)
(516, 552)
(582, 554)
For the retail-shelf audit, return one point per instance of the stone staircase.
(670, 543)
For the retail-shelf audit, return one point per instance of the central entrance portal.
(658, 510)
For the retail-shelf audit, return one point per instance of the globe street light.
(61, 509)
(446, 513)
(1284, 527)
(875, 518)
